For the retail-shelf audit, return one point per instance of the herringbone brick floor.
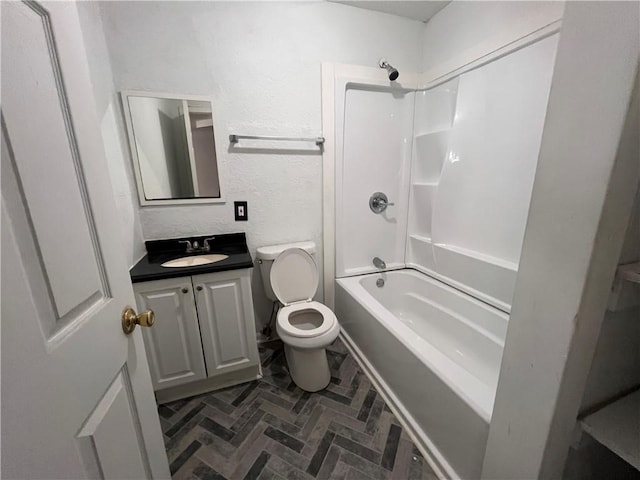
(271, 429)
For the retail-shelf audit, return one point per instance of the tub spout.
(379, 263)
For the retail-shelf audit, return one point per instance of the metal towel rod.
(233, 139)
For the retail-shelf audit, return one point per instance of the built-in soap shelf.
(617, 427)
(430, 153)
(433, 125)
(481, 258)
(421, 238)
(424, 184)
(435, 131)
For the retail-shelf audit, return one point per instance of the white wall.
(113, 131)
(261, 64)
(464, 31)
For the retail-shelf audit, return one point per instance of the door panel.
(54, 157)
(64, 275)
(173, 344)
(226, 320)
(108, 440)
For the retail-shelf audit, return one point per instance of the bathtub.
(435, 352)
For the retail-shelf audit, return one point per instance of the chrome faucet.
(206, 247)
(195, 245)
(379, 263)
(189, 245)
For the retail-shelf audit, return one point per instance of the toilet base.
(309, 368)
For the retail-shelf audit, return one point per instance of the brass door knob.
(130, 319)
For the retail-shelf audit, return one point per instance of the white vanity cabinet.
(227, 323)
(173, 344)
(204, 332)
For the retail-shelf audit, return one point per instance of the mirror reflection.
(173, 149)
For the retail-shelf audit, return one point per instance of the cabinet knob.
(130, 319)
(199, 288)
(185, 290)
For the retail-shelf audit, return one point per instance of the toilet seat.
(294, 278)
(286, 313)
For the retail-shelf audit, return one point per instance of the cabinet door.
(173, 344)
(225, 308)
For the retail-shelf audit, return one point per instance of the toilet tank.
(266, 255)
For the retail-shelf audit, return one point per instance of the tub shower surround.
(428, 281)
(476, 144)
(456, 160)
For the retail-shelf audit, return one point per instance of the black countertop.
(159, 251)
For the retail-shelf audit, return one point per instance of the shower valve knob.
(379, 202)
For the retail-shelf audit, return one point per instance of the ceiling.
(416, 10)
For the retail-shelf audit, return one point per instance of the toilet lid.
(294, 276)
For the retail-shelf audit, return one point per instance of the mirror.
(172, 147)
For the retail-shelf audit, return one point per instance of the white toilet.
(290, 274)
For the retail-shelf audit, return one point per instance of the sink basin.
(195, 260)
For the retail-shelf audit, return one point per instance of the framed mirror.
(173, 148)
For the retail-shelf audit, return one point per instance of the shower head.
(392, 72)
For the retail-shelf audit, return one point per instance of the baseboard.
(441, 468)
(214, 383)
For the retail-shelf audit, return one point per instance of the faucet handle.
(189, 245)
(206, 246)
(379, 202)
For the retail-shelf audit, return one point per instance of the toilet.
(306, 327)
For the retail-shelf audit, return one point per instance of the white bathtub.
(436, 352)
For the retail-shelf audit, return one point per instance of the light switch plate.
(240, 209)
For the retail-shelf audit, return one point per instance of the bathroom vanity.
(204, 332)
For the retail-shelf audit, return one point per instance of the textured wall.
(113, 131)
(464, 31)
(261, 64)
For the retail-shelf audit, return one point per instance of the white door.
(173, 345)
(77, 400)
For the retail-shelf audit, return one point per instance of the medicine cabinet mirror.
(172, 148)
